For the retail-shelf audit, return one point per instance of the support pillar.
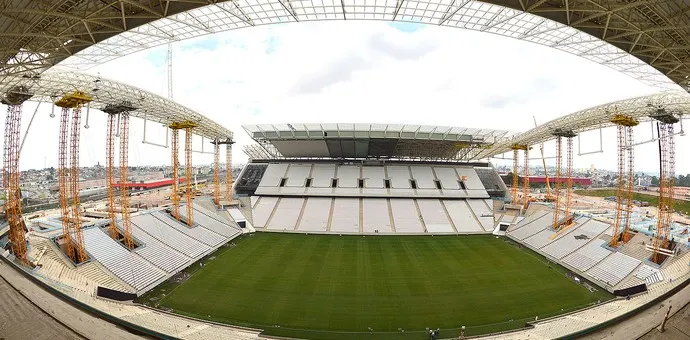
(188, 174)
(624, 192)
(11, 176)
(75, 137)
(187, 126)
(560, 134)
(124, 187)
(71, 224)
(63, 185)
(216, 173)
(110, 174)
(667, 167)
(174, 195)
(228, 171)
(525, 179)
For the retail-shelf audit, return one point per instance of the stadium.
(336, 230)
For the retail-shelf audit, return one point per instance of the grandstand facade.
(368, 178)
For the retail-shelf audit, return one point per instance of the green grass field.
(327, 286)
(679, 205)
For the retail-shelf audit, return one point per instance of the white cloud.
(358, 72)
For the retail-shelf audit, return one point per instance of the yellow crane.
(548, 197)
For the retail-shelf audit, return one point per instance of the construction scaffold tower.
(626, 180)
(11, 175)
(567, 219)
(187, 126)
(119, 113)
(174, 196)
(228, 174)
(662, 245)
(109, 174)
(228, 170)
(216, 173)
(525, 180)
(71, 223)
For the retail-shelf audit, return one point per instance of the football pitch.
(340, 287)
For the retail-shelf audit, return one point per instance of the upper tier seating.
(385, 181)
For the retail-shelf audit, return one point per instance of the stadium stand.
(213, 221)
(197, 232)
(374, 180)
(376, 215)
(462, 217)
(250, 178)
(540, 239)
(649, 275)
(531, 225)
(154, 251)
(297, 175)
(286, 214)
(346, 215)
(483, 212)
(434, 216)
(493, 184)
(585, 232)
(169, 236)
(129, 267)
(588, 256)
(448, 178)
(406, 217)
(263, 209)
(614, 268)
(315, 215)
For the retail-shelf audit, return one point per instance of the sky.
(358, 71)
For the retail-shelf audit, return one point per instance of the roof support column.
(11, 176)
(187, 126)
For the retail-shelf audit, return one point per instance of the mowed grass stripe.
(351, 283)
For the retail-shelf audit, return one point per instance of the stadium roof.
(50, 86)
(371, 141)
(625, 35)
(642, 108)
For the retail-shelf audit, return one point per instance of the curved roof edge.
(641, 108)
(50, 86)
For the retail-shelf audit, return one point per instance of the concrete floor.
(677, 327)
(29, 312)
(21, 319)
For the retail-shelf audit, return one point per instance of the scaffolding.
(624, 193)
(109, 174)
(63, 178)
(228, 170)
(187, 126)
(74, 101)
(662, 245)
(11, 175)
(525, 181)
(216, 172)
(567, 219)
(174, 196)
(124, 189)
(188, 173)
